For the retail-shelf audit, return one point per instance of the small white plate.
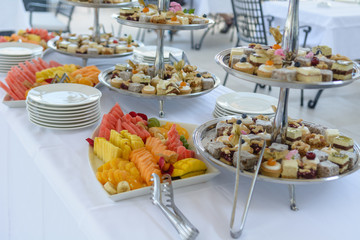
(11, 103)
(19, 49)
(88, 118)
(63, 117)
(63, 127)
(250, 103)
(63, 113)
(64, 94)
(46, 107)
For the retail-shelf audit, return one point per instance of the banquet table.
(337, 26)
(327, 211)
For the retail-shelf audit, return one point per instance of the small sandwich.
(292, 135)
(342, 70)
(63, 45)
(188, 167)
(308, 74)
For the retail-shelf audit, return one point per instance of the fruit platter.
(20, 79)
(179, 80)
(83, 45)
(314, 68)
(151, 17)
(32, 35)
(125, 149)
(312, 153)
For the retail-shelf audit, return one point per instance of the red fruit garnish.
(90, 141)
(314, 61)
(48, 80)
(310, 155)
(171, 169)
(115, 41)
(161, 162)
(143, 116)
(133, 114)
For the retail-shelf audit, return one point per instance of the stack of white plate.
(147, 54)
(13, 53)
(63, 106)
(243, 102)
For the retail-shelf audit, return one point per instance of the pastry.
(148, 89)
(321, 155)
(185, 90)
(326, 75)
(310, 159)
(324, 50)
(308, 74)
(327, 169)
(353, 158)
(141, 78)
(207, 83)
(116, 82)
(72, 48)
(327, 61)
(126, 12)
(329, 150)
(226, 155)
(316, 128)
(303, 61)
(342, 70)
(236, 53)
(308, 170)
(276, 151)
(64, 45)
(271, 168)
(135, 87)
(214, 148)
(107, 51)
(247, 160)
(340, 159)
(158, 19)
(92, 51)
(330, 134)
(223, 128)
(284, 74)
(302, 147)
(267, 126)
(246, 120)
(265, 70)
(289, 168)
(83, 49)
(292, 135)
(120, 67)
(244, 67)
(315, 141)
(121, 49)
(125, 75)
(343, 143)
(199, 21)
(258, 59)
(144, 18)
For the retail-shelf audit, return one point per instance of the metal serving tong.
(184, 57)
(63, 79)
(233, 232)
(182, 225)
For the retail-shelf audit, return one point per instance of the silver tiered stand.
(290, 45)
(96, 33)
(159, 58)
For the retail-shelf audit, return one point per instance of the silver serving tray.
(157, 26)
(200, 132)
(98, 5)
(222, 58)
(51, 44)
(104, 76)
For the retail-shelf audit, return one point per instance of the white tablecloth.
(327, 211)
(337, 26)
(13, 15)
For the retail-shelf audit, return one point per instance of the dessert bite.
(290, 168)
(342, 160)
(302, 147)
(353, 158)
(327, 169)
(330, 134)
(343, 143)
(276, 151)
(265, 70)
(315, 140)
(326, 75)
(247, 160)
(148, 89)
(271, 168)
(322, 156)
(244, 66)
(324, 50)
(342, 70)
(308, 74)
(214, 148)
(284, 74)
(308, 166)
(292, 135)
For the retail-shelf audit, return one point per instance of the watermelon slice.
(119, 127)
(54, 64)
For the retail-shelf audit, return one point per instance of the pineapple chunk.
(105, 150)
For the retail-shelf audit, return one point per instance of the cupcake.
(271, 168)
(265, 70)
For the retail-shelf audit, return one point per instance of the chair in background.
(49, 20)
(250, 28)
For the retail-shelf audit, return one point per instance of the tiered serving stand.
(159, 59)
(290, 46)
(96, 33)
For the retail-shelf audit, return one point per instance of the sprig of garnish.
(129, 39)
(190, 11)
(132, 64)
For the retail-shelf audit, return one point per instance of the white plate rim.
(81, 111)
